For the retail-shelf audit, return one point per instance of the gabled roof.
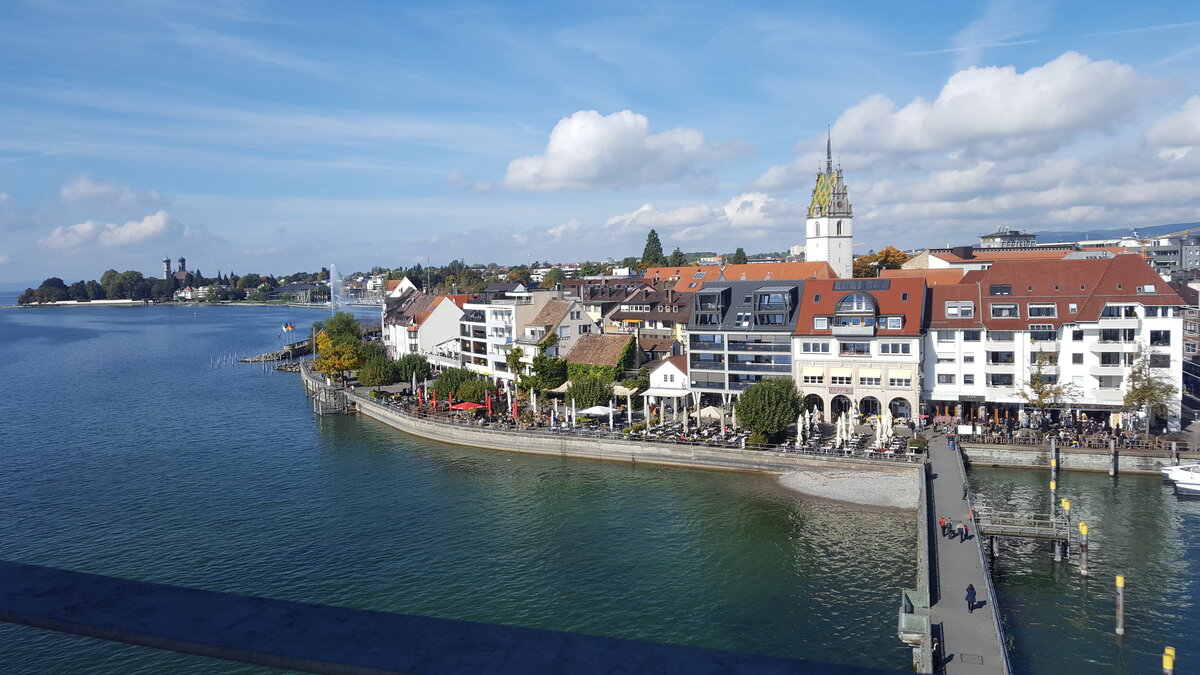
(598, 349)
(552, 313)
(900, 296)
(1087, 284)
(680, 363)
(736, 298)
(691, 278)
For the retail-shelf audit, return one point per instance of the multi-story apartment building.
(740, 333)
(858, 344)
(419, 323)
(487, 330)
(562, 318)
(1087, 319)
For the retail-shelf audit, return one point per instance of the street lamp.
(875, 266)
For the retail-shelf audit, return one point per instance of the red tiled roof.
(691, 278)
(820, 299)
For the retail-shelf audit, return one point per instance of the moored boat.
(1181, 471)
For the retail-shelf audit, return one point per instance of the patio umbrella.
(420, 397)
(711, 412)
(611, 409)
(467, 405)
(488, 399)
(597, 410)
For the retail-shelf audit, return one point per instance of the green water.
(128, 453)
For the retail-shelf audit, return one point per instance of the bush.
(475, 390)
(377, 372)
(450, 380)
(590, 389)
(412, 364)
(757, 439)
(635, 428)
(769, 406)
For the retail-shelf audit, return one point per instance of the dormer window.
(855, 303)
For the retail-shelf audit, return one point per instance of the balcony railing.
(759, 347)
(696, 346)
(759, 367)
(708, 365)
(714, 386)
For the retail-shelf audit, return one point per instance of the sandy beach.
(881, 489)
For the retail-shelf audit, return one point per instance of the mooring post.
(1056, 546)
(1066, 507)
(1168, 661)
(995, 547)
(1053, 457)
(1113, 455)
(1120, 604)
(1053, 496)
(1083, 530)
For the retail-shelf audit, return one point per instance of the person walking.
(942, 525)
(966, 533)
(958, 530)
(970, 598)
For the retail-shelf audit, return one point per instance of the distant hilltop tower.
(182, 264)
(166, 268)
(829, 229)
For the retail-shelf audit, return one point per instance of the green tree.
(652, 254)
(371, 350)
(767, 407)
(738, 257)
(1148, 391)
(78, 291)
(378, 372)
(677, 258)
(52, 290)
(95, 291)
(589, 389)
(553, 278)
(475, 391)
(449, 380)
(513, 360)
(1041, 390)
(334, 358)
(343, 327)
(412, 364)
(519, 275)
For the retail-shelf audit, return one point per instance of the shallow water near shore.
(131, 454)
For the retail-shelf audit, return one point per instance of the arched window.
(855, 303)
(839, 228)
(816, 229)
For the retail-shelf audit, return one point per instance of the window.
(743, 319)
(1072, 307)
(945, 359)
(1000, 289)
(855, 302)
(972, 335)
(820, 323)
(945, 379)
(960, 310)
(968, 358)
(583, 328)
(1000, 335)
(1118, 312)
(839, 227)
(816, 297)
(894, 322)
(746, 299)
(838, 379)
(670, 377)
(814, 379)
(1160, 360)
(945, 336)
(1005, 310)
(899, 381)
(968, 379)
(1042, 332)
(1000, 380)
(574, 316)
(1077, 336)
(814, 347)
(1077, 359)
(868, 381)
(904, 296)
(1160, 338)
(1151, 312)
(1000, 358)
(856, 348)
(1189, 348)
(564, 331)
(698, 275)
(895, 348)
(1047, 309)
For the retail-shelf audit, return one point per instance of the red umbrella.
(421, 396)
(435, 398)
(488, 399)
(466, 405)
(514, 408)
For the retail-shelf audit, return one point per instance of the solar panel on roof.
(862, 284)
(775, 289)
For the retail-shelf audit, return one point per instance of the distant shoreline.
(140, 303)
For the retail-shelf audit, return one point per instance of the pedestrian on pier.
(966, 532)
(958, 530)
(970, 598)
(964, 490)
(942, 525)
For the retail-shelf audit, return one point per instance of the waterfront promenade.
(971, 642)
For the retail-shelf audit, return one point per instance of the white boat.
(1190, 485)
(1174, 473)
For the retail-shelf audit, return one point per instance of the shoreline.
(874, 490)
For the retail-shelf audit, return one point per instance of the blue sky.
(282, 136)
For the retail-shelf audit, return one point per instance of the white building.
(1088, 319)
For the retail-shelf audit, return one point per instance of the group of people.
(952, 529)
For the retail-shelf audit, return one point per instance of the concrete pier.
(970, 642)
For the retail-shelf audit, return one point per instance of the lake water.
(130, 451)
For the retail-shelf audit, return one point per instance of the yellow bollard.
(1083, 530)
(1120, 604)
(1168, 664)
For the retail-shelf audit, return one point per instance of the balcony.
(1114, 346)
(1045, 345)
(1107, 370)
(853, 331)
(759, 367)
(697, 346)
(708, 386)
(999, 367)
(770, 307)
(1119, 322)
(738, 346)
(707, 365)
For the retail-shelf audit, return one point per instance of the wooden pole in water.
(1113, 455)
(1083, 532)
(1120, 604)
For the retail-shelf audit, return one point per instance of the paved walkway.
(970, 641)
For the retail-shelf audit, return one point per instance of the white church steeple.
(829, 229)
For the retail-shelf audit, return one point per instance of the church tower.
(829, 229)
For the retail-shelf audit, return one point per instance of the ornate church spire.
(828, 151)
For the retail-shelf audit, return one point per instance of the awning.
(841, 372)
(870, 372)
(666, 393)
(560, 389)
(618, 390)
(813, 371)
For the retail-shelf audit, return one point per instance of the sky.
(275, 137)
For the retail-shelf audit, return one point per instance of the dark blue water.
(1061, 622)
(128, 453)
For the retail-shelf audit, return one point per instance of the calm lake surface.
(129, 453)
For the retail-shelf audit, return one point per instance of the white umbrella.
(611, 408)
(711, 412)
(596, 410)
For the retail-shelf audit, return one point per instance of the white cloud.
(1177, 135)
(589, 150)
(110, 235)
(86, 189)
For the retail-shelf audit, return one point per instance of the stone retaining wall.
(1069, 459)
